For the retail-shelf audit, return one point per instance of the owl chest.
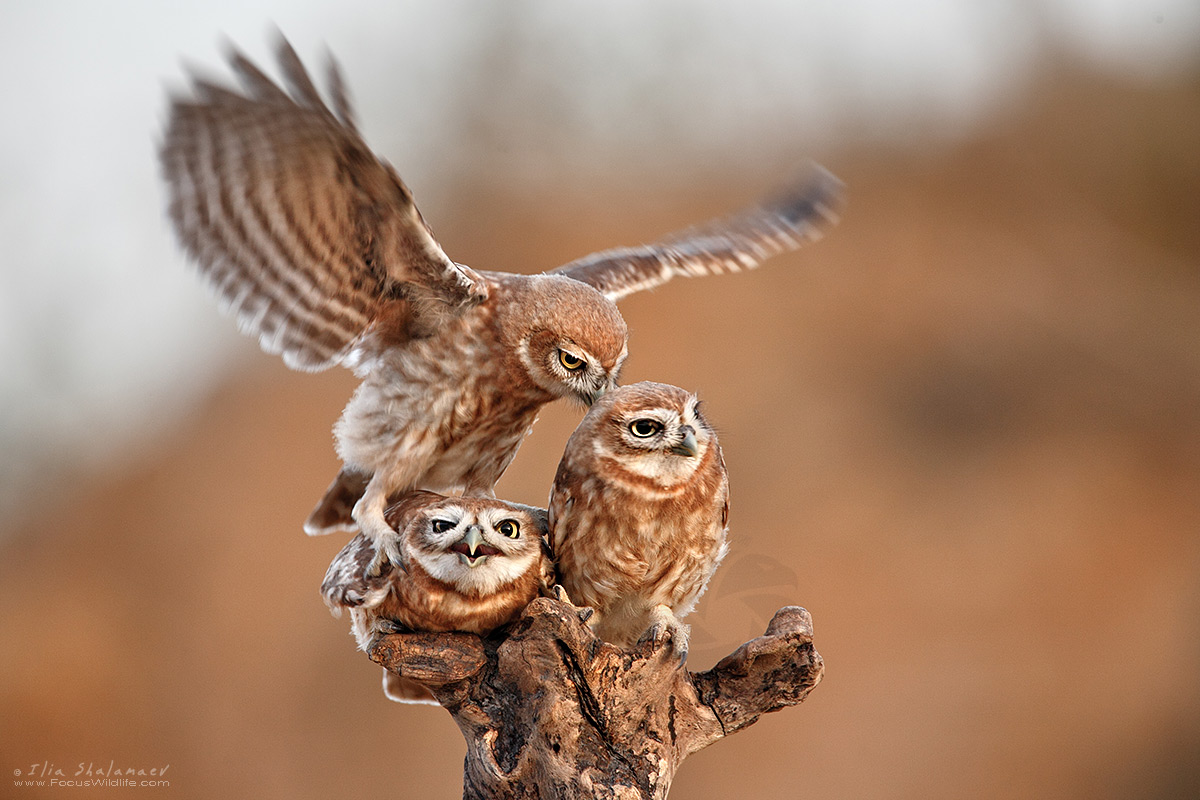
(426, 605)
(456, 412)
(621, 545)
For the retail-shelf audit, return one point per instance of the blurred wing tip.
(826, 190)
(824, 175)
(812, 180)
(831, 213)
(301, 361)
(200, 80)
(343, 108)
(819, 178)
(237, 58)
(284, 51)
(276, 35)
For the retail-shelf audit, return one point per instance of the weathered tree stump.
(549, 710)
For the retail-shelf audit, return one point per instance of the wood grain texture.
(549, 710)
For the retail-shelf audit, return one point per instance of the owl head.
(477, 545)
(570, 339)
(649, 431)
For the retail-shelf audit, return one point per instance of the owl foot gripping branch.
(317, 248)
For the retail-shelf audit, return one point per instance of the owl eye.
(569, 360)
(510, 528)
(645, 428)
(442, 525)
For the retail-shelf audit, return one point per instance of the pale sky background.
(107, 338)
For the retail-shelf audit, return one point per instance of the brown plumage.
(638, 512)
(317, 248)
(470, 564)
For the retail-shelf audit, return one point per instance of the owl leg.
(664, 627)
(368, 513)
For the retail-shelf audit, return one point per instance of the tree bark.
(549, 710)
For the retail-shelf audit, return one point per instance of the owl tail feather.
(406, 690)
(333, 513)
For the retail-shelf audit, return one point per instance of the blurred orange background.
(963, 431)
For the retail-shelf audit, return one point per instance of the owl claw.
(583, 612)
(655, 636)
(387, 551)
(667, 628)
(386, 627)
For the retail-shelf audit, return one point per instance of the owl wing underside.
(559, 510)
(298, 228)
(345, 584)
(730, 244)
(334, 512)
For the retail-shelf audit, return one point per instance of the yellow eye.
(442, 525)
(570, 360)
(510, 528)
(645, 428)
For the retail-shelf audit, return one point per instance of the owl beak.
(471, 548)
(604, 389)
(688, 447)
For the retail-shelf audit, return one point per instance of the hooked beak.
(471, 549)
(474, 538)
(596, 395)
(688, 447)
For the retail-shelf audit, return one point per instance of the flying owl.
(638, 513)
(471, 564)
(316, 247)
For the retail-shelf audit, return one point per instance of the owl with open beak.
(470, 564)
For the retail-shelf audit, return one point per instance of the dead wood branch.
(549, 710)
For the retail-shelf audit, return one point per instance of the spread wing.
(298, 228)
(731, 244)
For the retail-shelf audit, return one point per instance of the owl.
(316, 247)
(471, 564)
(638, 513)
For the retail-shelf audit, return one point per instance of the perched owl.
(316, 247)
(638, 512)
(471, 564)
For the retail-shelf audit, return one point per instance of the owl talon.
(387, 551)
(387, 627)
(583, 612)
(667, 629)
(655, 636)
